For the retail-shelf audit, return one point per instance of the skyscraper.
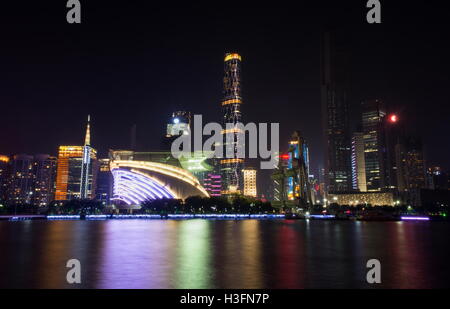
(231, 168)
(44, 170)
(250, 182)
(104, 182)
(373, 120)
(76, 171)
(4, 160)
(335, 116)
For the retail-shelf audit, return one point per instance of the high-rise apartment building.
(334, 70)
(231, 168)
(21, 180)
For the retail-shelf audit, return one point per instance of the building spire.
(87, 140)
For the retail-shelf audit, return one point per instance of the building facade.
(368, 198)
(231, 168)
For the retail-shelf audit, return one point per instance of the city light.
(415, 218)
(134, 188)
(393, 118)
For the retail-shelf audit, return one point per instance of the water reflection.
(223, 253)
(192, 264)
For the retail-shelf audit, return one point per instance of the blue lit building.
(298, 187)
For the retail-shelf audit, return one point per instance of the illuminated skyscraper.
(373, 120)
(250, 182)
(231, 168)
(76, 171)
(68, 173)
(358, 163)
(89, 167)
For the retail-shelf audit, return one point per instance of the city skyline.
(196, 146)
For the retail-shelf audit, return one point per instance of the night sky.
(132, 62)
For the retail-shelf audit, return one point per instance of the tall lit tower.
(88, 167)
(231, 168)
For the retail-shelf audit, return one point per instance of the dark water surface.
(223, 254)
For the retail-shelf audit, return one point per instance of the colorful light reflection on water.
(223, 253)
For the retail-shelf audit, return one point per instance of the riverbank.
(213, 216)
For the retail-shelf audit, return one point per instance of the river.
(223, 253)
